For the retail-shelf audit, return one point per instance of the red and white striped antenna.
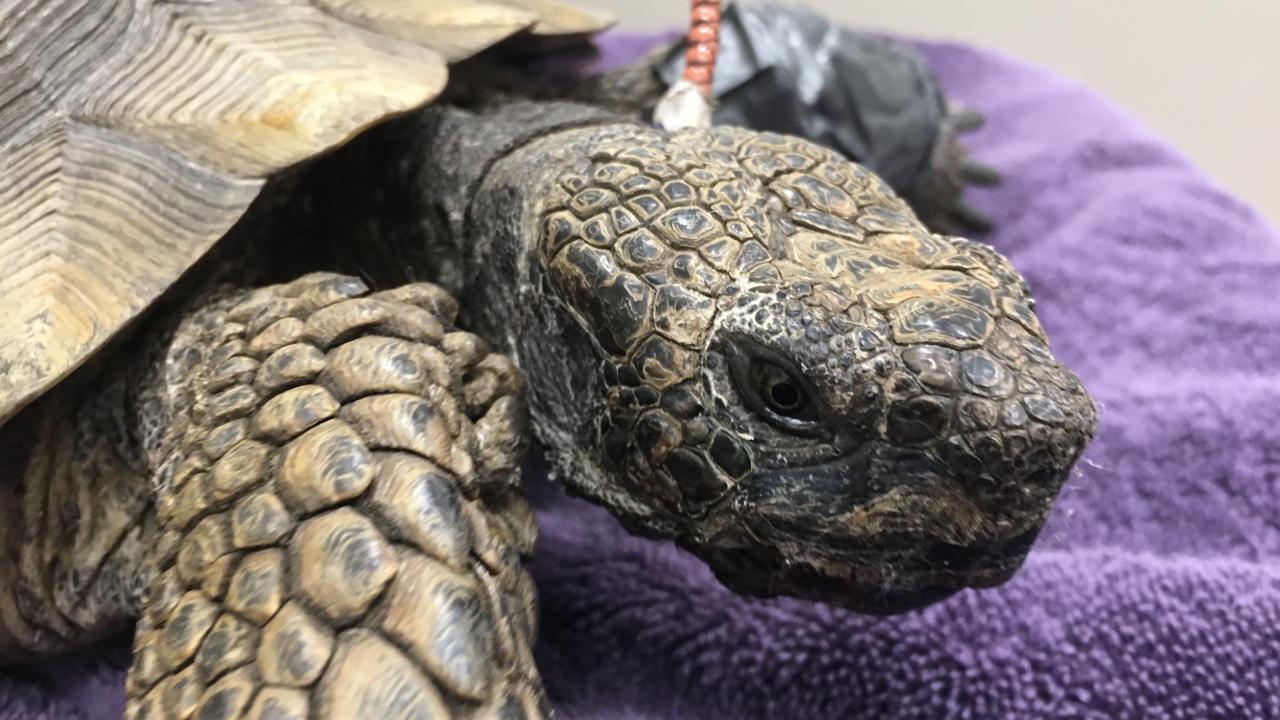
(688, 102)
(704, 43)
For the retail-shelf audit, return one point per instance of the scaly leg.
(75, 520)
(341, 523)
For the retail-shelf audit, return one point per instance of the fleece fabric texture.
(1155, 589)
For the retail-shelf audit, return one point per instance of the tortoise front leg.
(341, 522)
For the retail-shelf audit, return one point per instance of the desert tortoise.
(308, 491)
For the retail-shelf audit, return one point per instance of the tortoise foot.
(938, 193)
(342, 531)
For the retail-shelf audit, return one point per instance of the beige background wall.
(1205, 73)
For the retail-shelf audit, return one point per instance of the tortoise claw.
(970, 218)
(938, 196)
(965, 120)
(980, 174)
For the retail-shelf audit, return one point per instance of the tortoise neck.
(402, 202)
(492, 178)
(481, 183)
(463, 148)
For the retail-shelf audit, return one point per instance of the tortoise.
(285, 460)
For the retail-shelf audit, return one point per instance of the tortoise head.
(801, 384)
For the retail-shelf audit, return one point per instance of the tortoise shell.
(134, 133)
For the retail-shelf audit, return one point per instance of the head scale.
(801, 384)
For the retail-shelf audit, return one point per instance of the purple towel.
(1155, 590)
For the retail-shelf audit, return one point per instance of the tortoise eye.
(778, 390)
(770, 388)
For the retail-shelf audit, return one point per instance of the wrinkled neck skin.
(488, 178)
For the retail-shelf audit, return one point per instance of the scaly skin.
(75, 519)
(738, 341)
(679, 277)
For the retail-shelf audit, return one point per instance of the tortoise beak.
(880, 531)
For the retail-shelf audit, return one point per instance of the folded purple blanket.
(1155, 590)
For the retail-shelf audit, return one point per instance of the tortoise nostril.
(918, 420)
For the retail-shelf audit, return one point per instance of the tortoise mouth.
(887, 586)
(741, 571)
(880, 531)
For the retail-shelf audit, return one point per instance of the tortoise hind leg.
(75, 520)
(341, 519)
